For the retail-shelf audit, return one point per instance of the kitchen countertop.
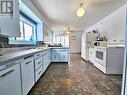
(8, 57)
(109, 47)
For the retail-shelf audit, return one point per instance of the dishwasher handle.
(7, 73)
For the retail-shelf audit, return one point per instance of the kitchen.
(45, 51)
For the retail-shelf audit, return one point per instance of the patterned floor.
(76, 78)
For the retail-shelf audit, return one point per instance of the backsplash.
(5, 41)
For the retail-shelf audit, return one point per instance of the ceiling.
(61, 13)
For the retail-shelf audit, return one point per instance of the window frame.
(64, 39)
(28, 21)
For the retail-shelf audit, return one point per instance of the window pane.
(28, 30)
(58, 39)
(21, 30)
(54, 38)
(67, 40)
(62, 40)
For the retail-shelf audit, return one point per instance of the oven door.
(100, 56)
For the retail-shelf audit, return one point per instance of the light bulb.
(80, 11)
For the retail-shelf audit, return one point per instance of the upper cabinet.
(9, 18)
(48, 35)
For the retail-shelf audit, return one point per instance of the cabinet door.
(27, 68)
(92, 55)
(10, 83)
(49, 57)
(44, 61)
(10, 26)
(63, 55)
(55, 55)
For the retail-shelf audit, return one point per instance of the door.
(27, 70)
(10, 83)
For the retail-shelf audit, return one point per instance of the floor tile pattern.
(76, 78)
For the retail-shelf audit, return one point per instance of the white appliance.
(109, 59)
(100, 55)
(88, 40)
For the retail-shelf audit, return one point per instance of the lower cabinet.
(60, 55)
(63, 55)
(46, 59)
(55, 55)
(38, 73)
(18, 77)
(10, 80)
(27, 73)
(38, 63)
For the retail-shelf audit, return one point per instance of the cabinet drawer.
(55, 50)
(37, 55)
(28, 59)
(38, 62)
(63, 49)
(38, 73)
(45, 51)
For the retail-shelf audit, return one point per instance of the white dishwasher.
(10, 83)
(27, 74)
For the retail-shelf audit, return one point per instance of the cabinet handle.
(27, 57)
(9, 65)
(38, 55)
(39, 62)
(28, 62)
(39, 73)
(7, 73)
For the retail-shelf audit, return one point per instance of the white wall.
(75, 42)
(112, 26)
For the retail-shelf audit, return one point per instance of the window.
(27, 30)
(21, 31)
(66, 37)
(62, 39)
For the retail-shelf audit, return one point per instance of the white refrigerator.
(88, 40)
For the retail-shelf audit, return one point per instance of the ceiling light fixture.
(69, 30)
(80, 11)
